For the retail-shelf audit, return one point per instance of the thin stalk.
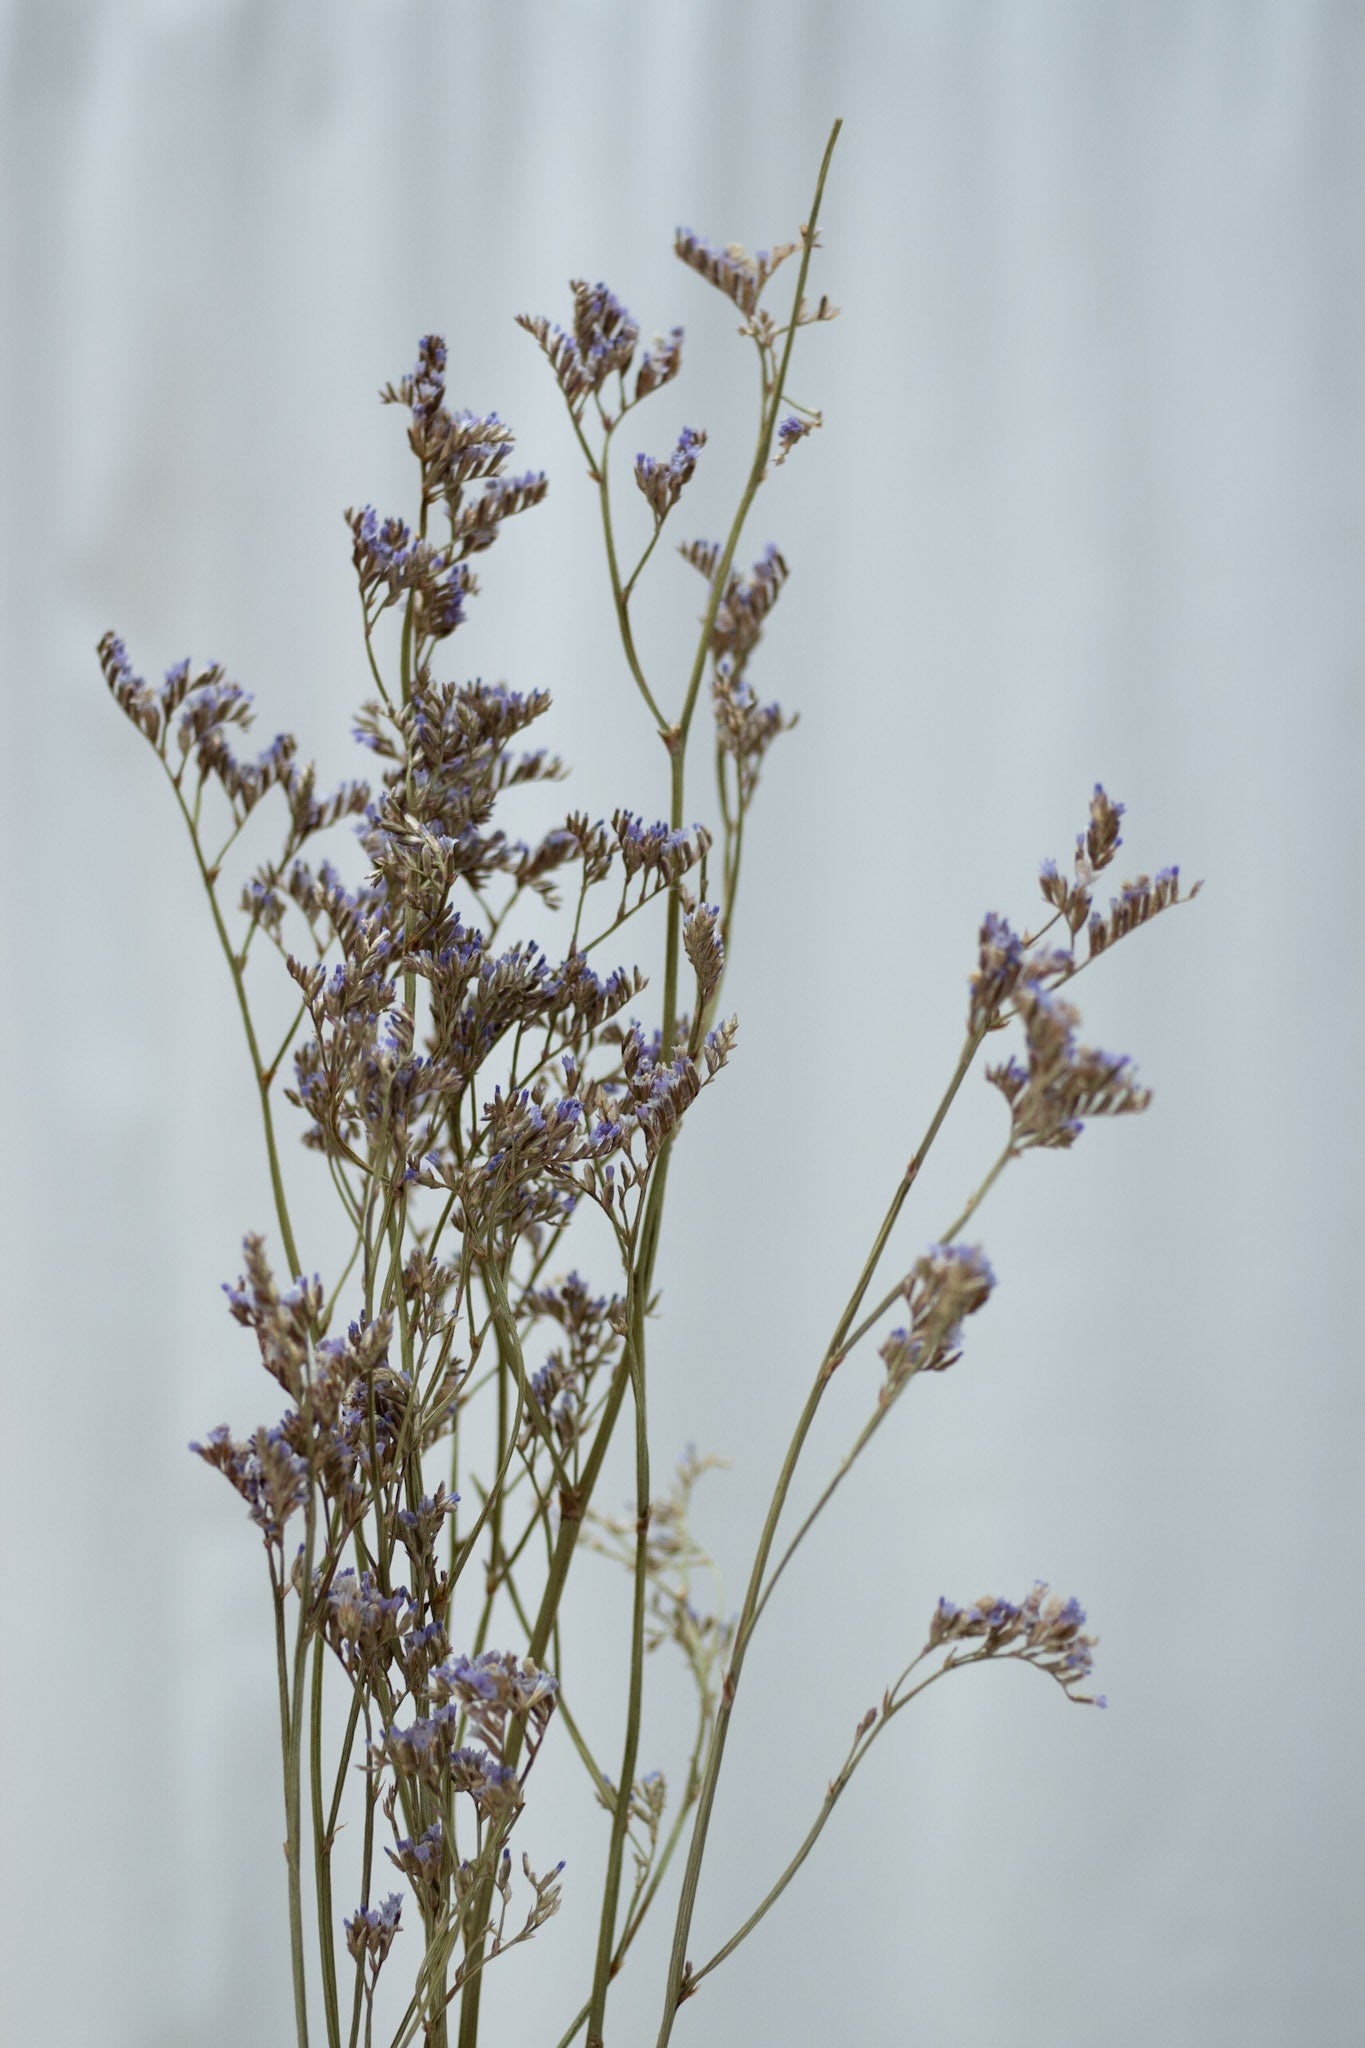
(294, 1776)
(366, 1867)
(611, 1890)
(862, 1743)
(875, 1421)
(322, 1854)
(959, 1222)
(291, 1810)
(562, 1713)
(597, 470)
(262, 1074)
(758, 468)
(637, 1916)
(560, 1560)
(835, 1352)
(566, 1542)
(343, 1766)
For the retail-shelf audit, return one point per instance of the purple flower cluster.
(496, 1696)
(592, 1326)
(365, 1626)
(420, 1861)
(792, 430)
(662, 481)
(1062, 1082)
(390, 565)
(732, 270)
(371, 1931)
(659, 363)
(285, 1324)
(601, 345)
(745, 604)
(1135, 903)
(745, 728)
(705, 948)
(199, 711)
(950, 1282)
(269, 1474)
(457, 449)
(429, 1751)
(1043, 1630)
(660, 852)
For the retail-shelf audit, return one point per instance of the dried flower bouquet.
(452, 1392)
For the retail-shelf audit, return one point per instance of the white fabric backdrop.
(1088, 502)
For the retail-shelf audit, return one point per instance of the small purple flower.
(371, 1930)
(793, 429)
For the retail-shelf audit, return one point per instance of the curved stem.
(263, 1075)
(620, 592)
(862, 1743)
(959, 1222)
(834, 1354)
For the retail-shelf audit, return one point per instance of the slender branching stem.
(834, 1353)
(959, 1223)
(263, 1074)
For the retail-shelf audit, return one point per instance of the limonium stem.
(292, 1816)
(754, 1595)
(606, 1935)
(322, 1854)
(673, 949)
(264, 1076)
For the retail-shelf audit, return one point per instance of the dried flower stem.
(755, 1595)
(264, 1075)
(673, 949)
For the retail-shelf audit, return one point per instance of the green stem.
(366, 1864)
(720, 581)
(611, 1890)
(620, 593)
(862, 1743)
(322, 1855)
(959, 1223)
(343, 1765)
(263, 1075)
(835, 1352)
(291, 1810)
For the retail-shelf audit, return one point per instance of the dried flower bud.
(732, 270)
(950, 1282)
(659, 364)
(1096, 847)
(1000, 964)
(371, 1931)
(602, 343)
(1063, 1082)
(705, 949)
(792, 429)
(662, 482)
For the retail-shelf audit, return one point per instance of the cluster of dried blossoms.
(431, 1480)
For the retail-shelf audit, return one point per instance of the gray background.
(1088, 502)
